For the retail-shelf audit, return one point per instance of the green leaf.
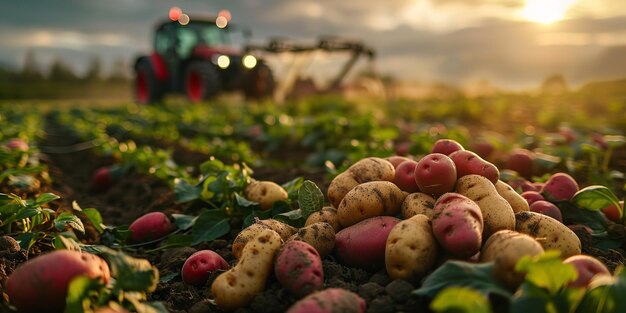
(573, 215)
(614, 141)
(186, 192)
(27, 240)
(45, 198)
(310, 198)
(183, 222)
(595, 198)
(532, 298)
(80, 293)
(61, 242)
(68, 219)
(95, 218)
(292, 187)
(211, 167)
(463, 274)
(249, 219)
(293, 218)
(131, 274)
(209, 226)
(547, 271)
(460, 300)
(168, 277)
(243, 202)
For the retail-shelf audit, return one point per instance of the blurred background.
(424, 48)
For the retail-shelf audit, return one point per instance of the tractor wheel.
(148, 89)
(202, 81)
(259, 82)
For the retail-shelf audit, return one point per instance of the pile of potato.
(450, 204)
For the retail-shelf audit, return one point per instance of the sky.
(512, 43)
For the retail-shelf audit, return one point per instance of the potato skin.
(517, 202)
(468, 162)
(284, 231)
(298, 268)
(417, 203)
(150, 226)
(40, 284)
(550, 233)
(319, 235)
(237, 287)
(587, 267)
(411, 249)
(332, 300)
(363, 171)
(505, 248)
(560, 187)
(265, 193)
(327, 215)
(497, 212)
(368, 200)
(363, 244)
(435, 174)
(457, 224)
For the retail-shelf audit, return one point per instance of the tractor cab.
(200, 59)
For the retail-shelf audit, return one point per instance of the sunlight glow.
(546, 11)
(175, 13)
(221, 21)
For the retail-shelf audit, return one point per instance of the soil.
(137, 194)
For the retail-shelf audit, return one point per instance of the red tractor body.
(199, 60)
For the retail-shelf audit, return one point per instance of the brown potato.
(505, 248)
(327, 215)
(368, 200)
(284, 231)
(237, 287)
(411, 249)
(265, 193)
(319, 235)
(497, 212)
(550, 233)
(417, 203)
(365, 170)
(517, 202)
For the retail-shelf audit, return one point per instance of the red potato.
(396, 160)
(532, 196)
(332, 300)
(149, 227)
(403, 148)
(298, 268)
(458, 224)
(105, 177)
(405, 176)
(547, 208)
(483, 148)
(523, 185)
(587, 267)
(521, 161)
(446, 146)
(560, 187)
(612, 213)
(199, 266)
(363, 244)
(16, 144)
(435, 174)
(468, 162)
(40, 285)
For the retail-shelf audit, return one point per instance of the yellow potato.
(368, 200)
(497, 212)
(365, 170)
(550, 233)
(285, 231)
(265, 193)
(505, 248)
(411, 249)
(326, 215)
(319, 235)
(517, 202)
(417, 203)
(237, 287)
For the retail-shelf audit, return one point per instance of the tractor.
(197, 58)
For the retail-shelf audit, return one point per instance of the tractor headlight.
(223, 61)
(249, 61)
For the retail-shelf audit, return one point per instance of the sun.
(545, 11)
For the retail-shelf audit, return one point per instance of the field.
(75, 175)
